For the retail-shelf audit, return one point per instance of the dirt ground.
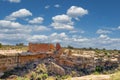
(91, 77)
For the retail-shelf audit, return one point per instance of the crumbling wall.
(42, 47)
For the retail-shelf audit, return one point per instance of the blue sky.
(80, 23)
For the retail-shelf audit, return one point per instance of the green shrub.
(96, 73)
(98, 69)
(33, 76)
(41, 68)
(41, 76)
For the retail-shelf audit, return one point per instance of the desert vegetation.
(19, 46)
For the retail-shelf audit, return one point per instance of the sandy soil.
(91, 77)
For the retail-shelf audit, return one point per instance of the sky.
(79, 23)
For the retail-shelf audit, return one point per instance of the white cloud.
(76, 12)
(54, 34)
(80, 39)
(14, 1)
(37, 38)
(62, 26)
(52, 38)
(102, 36)
(118, 27)
(13, 31)
(62, 22)
(74, 31)
(62, 19)
(101, 31)
(57, 5)
(37, 20)
(13, 37)
(8, 24)
(61, 35)
(40, 28)
(103, 41)
(57, 37)
(56, 41)
(77, 31)
(19, 14)
(47, 6)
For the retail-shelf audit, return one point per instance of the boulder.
(54, 68)
(12, 77)
(1, 74)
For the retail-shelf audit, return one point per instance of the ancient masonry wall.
(40, 47)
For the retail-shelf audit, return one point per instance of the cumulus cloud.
(8, 24)
(19, 14)
(75, 12)
(62, 19)
(40, 28)
(104, 41)
(14, 1)
(37, 38)
(4, 24)
(47, 6)
(13, 31)
(102, 36)
(62, 22)
(62, 26)
(58, 37)
(13, 38)
(57, 5)
(61, 35)
(37, 20)
(118, 27)
(101, 31)
(53, 38)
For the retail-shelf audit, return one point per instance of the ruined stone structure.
(41, 47)
(36, 51)
(81, 60)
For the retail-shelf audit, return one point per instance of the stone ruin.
(80, 60)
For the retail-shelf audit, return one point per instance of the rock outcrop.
(54, 68)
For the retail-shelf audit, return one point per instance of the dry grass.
(115, 76)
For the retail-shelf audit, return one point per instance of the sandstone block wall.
(42, 47)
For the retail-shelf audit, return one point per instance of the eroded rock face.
(54, 68)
